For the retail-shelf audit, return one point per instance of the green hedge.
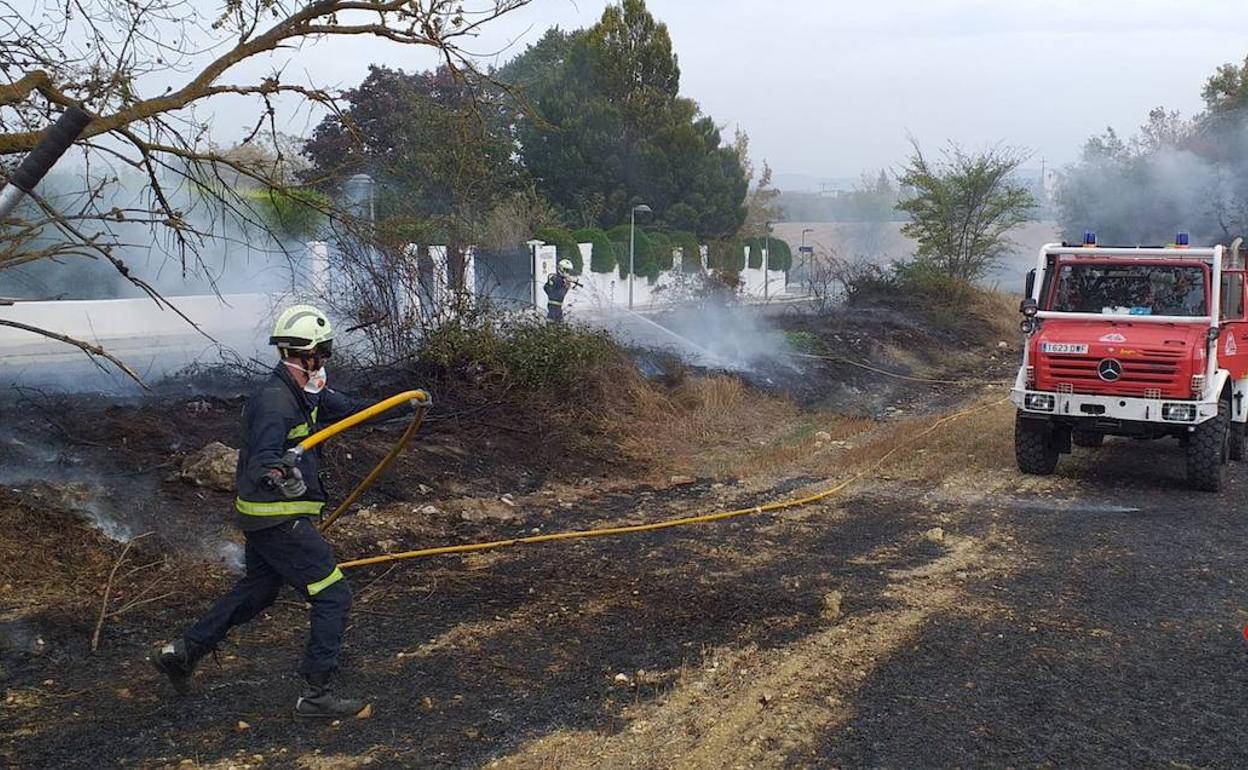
(691, 252)
(296, 212)
(565, 246)
(756, 253)
(602, 258)
(663, 248)
(727, 255)
(780, 256)
(644, 258)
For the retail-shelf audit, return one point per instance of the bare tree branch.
(92, 351)
(105, 54)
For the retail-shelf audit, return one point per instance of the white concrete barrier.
(150, 338)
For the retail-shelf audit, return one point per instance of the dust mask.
(316, 379)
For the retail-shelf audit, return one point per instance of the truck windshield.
(1175, 290)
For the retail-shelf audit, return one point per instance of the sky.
(832, 89)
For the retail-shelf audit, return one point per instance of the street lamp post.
(632, 246)
(806, 259)
(766, 259)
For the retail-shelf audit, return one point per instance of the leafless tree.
(146, 70)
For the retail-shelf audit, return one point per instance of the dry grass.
(714, 426)
(997, 311)
(766, 707)
(982, 442)
(719, 427)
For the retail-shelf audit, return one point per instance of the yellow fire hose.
(669, 523)
(418, 398)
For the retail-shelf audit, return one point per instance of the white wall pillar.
(316, 263)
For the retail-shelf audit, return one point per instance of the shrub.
(565, 246)
(521, 351)
(663, 248)
(780, 256)
(602, 258)
(859, 279)
(756, 253)
(727, 255)
(691, 252)
(931, 284)
(645, 261)
(295, 212)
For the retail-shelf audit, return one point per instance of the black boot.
(177, 660)
(318, 702)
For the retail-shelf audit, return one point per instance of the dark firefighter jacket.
(278, 416)
(556, 289)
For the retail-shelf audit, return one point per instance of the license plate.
(1069, 348)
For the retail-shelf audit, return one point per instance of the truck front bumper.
(1071, 407)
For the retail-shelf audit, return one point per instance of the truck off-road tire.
(1087, 439)
(1035, 448)
(1207, 451)
(1239, 435)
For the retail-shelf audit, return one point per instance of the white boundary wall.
(155, 341)
(151, 339)
(603, 291)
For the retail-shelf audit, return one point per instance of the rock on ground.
(212, 467)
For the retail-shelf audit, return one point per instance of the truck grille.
(1150, 373)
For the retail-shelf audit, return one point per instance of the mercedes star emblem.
(1109, 370)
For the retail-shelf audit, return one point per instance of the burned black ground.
(565, 626)
(1118, 644)
(1104, 630)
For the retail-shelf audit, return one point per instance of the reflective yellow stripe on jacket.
(302, 430)
(321, 585)
(281, 508)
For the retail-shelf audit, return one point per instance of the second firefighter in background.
(557, 286)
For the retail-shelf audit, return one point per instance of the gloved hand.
(288, 481)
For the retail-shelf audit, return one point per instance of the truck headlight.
(1178, 412)
(1040, 402)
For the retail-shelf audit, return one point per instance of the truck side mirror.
(1030, 285)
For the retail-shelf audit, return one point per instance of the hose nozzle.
(292, 456)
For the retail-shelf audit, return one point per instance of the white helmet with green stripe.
(303, 328)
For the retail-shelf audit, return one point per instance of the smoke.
(712, 334)
(231, 555)
(56, 477)
(1192, 177)
(227, 253)
(735, 335)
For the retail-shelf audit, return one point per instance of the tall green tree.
(1226, 90)
(963, 208)
(607, 129)
(437, 147)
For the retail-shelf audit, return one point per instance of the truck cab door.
(1233, 341)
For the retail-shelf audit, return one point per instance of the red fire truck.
(1145, 342)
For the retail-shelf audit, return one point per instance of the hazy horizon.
(830, 90)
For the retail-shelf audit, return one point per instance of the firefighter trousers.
(293, 553)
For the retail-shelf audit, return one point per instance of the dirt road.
(947, 614)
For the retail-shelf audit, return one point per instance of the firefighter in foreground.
(557, 286)
(275, 508)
